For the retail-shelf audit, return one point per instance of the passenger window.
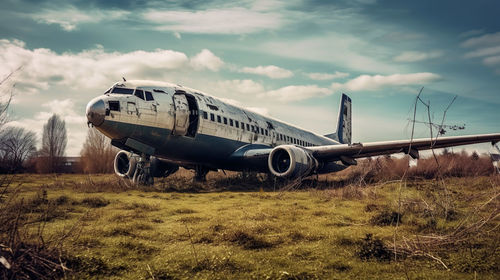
(262, 131)
(225, 120)
(212, 117)
(139, 93)
(253, 129)
(149, 96)
(218, 119)
(205, 115)
(237, 124)
(230, 122)
(266, 132)
(248, 127)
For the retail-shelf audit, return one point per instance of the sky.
(287, 59)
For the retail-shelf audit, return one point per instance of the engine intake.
(125, 164)
(292, 162)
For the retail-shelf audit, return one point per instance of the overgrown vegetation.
(77, 226)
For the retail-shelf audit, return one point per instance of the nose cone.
(96, 111)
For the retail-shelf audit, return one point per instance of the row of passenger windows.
(253, 128)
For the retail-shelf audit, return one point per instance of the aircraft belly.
(203, 149)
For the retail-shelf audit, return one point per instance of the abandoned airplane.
(161, 126)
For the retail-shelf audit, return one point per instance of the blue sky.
(287, 59)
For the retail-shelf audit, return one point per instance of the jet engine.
(126, 163)
(291, 162)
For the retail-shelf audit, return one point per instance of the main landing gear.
(142, 174)
(200, 174)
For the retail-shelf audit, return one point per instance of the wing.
(358, 150)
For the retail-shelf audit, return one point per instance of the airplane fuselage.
(190, 127)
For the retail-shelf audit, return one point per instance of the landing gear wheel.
(200, 173)
(142, 175)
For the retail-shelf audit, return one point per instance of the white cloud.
(242, 87)
(483, 52)
(486, 40)
(470, 33)
(296, 93)
(271, 71)
(492, 60)
(215, 21)
(344, 50)
(327, 76)
(486, 46)
(367, 82)
(69, 17)
(93, 68)
(413, 56)
(206, 60)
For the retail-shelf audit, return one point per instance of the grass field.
(103, 228)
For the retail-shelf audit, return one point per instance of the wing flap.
(359, 150)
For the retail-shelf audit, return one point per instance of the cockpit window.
(149, 96)
(139, 93)
(123, 90)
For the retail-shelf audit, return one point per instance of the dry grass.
(202, 232)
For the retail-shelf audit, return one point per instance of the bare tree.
(17, 145)
(97, 153)
(54, 142)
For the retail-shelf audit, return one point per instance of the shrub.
(387, 218)
(371, 248)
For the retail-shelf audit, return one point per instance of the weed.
(137, 248)
(247, 241)
(119, 231)
(386, 218)
(93, 266)
(370, 248)
(95, 202)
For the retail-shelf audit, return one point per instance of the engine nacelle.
(126, 163)
(291, 162)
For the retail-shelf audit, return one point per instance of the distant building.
(71, 165)
(64, 165)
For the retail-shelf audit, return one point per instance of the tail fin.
(343, 133)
